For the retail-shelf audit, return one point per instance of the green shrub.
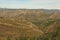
(8, 38)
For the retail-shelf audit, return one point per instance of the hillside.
(17, 28)
(29, 24)
(56, 15)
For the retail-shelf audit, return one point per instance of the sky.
(30, 4)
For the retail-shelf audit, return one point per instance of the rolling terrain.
(29, 24)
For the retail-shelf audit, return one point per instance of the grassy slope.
(31, 23)
(17, 28)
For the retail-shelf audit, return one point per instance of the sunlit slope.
(54, 27)
(16, 28)
(55, 15)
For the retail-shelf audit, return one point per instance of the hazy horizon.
(30, 4)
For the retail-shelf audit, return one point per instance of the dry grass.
(28, 23)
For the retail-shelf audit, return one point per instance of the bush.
(8, 38)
